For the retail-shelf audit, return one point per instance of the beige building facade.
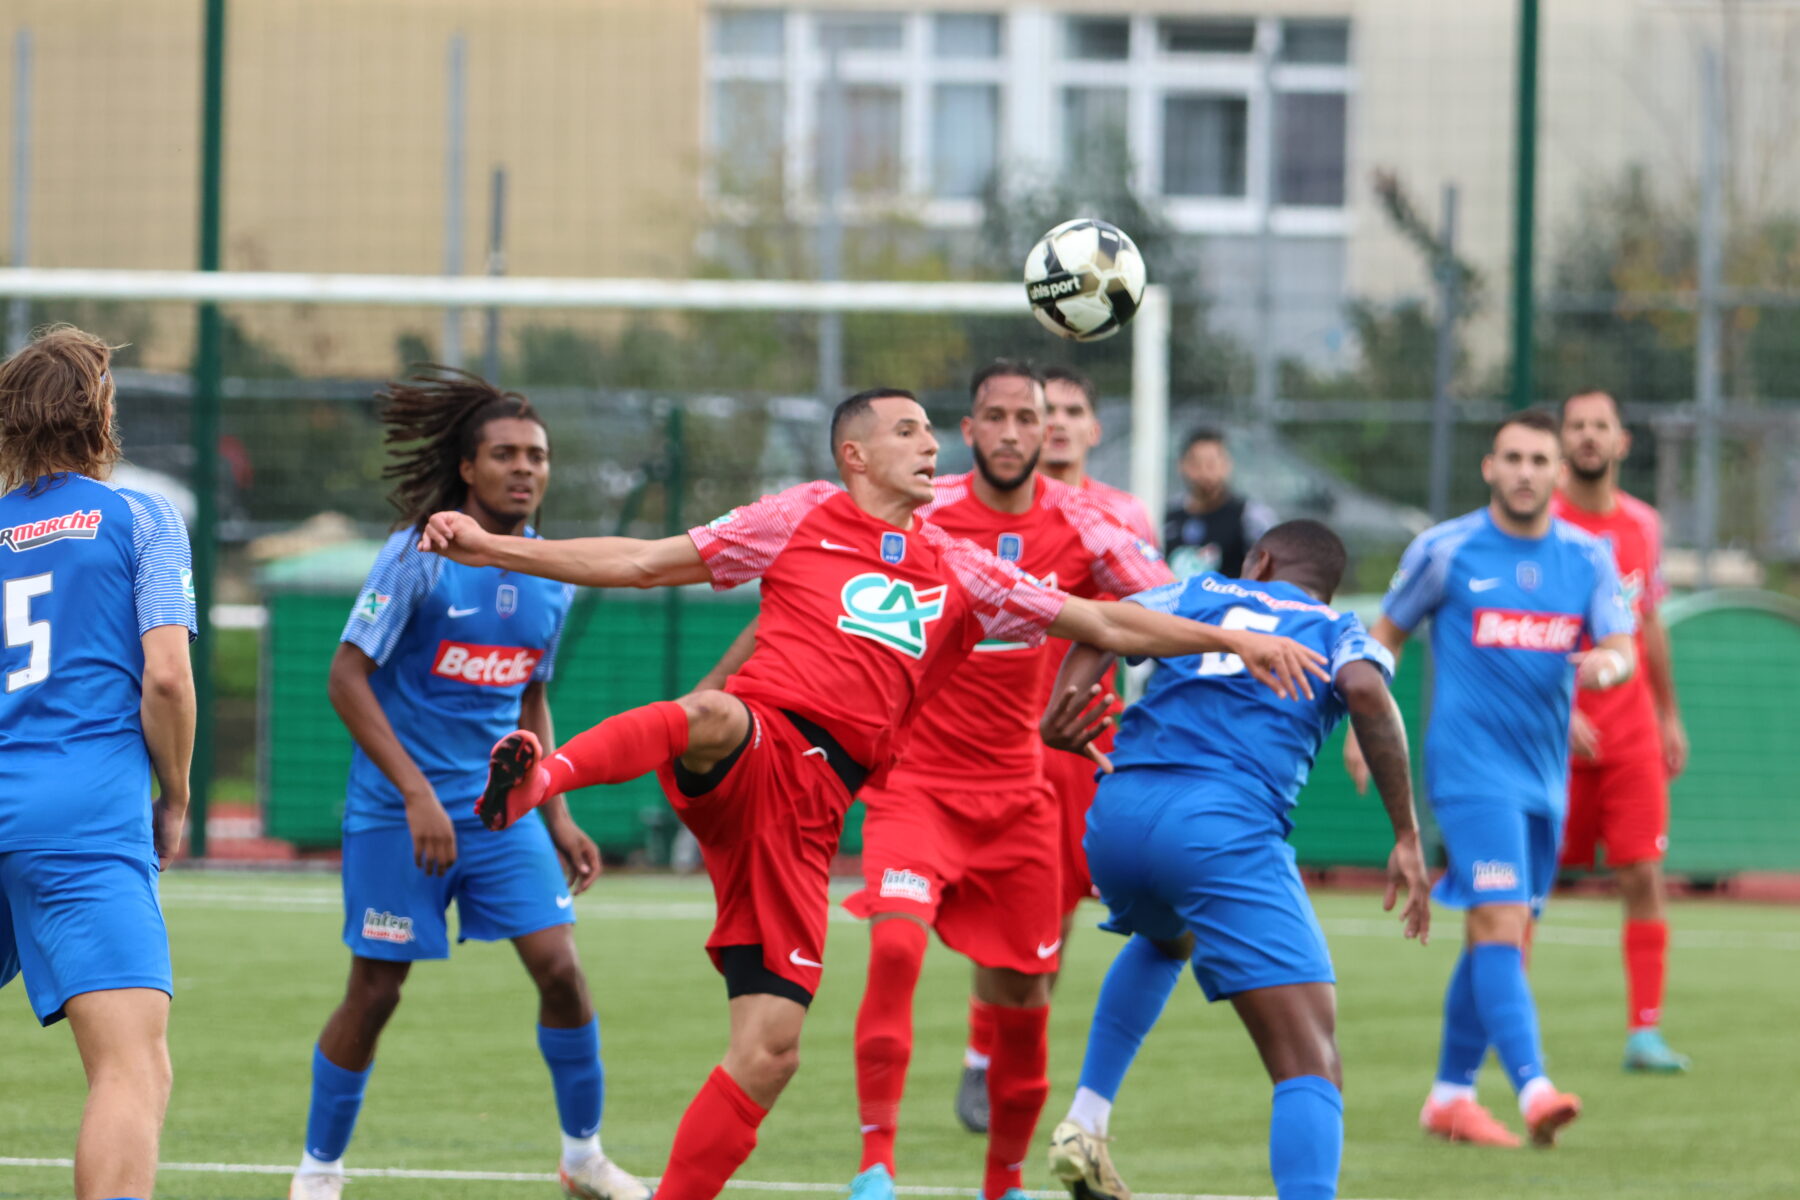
(628, 127)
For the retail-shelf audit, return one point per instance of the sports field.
(460, 1100)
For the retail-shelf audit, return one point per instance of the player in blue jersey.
(1187, 842)
(97, 697)
(1510, 591)
(438, 661)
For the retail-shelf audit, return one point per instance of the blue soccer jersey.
(1506, 612)
(1205, 715)
(86, 569)
(455, 647)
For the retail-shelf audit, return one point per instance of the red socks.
(716, 1135)
(981, 1033)
(884, 1033)
(1646, 966)
(620, 748)
(1018, 1083)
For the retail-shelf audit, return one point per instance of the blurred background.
(1370, 215)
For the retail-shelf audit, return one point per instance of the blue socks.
(1507, 1011)
(573, 1056)
(337, 1097)
(1465, 1038)
(1136, 989)
(1306, 1138)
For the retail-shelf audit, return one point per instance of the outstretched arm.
(1375, 719)
(602, 562)
(1131, 629)
(1080, 706)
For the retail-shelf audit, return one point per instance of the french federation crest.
(1529, 575)
(893, 547)
(1010, 547)
(506, 600)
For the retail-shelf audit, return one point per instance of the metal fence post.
(1706, 352)
(676, 481)
(1525, 207)
(204, 421)
(18, 314)
(1443, 419)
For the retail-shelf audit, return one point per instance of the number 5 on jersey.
(21, 630)
(1217, 662)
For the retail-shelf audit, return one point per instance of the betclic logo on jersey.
(485, 666)
(33, 534)
(1516, 629)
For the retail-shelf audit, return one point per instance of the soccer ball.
(1084, 279)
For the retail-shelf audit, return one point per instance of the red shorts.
(1071, 778)
(980, 867)
(767, 832)
(1623, 806)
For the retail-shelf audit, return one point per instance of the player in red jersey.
(1071, 429)
(1629, 741)
(964, 835)
(865, 612)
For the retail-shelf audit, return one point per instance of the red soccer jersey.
(861, 621)
(1125, 508)
(1625, 715)
(981, 729)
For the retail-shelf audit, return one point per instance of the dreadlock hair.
(56, 410)
(434, 424)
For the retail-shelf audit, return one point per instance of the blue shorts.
(1499, 853)
(79, 921)
(1171, 853)
(505, 885)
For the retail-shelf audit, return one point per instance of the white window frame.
(1030, 73)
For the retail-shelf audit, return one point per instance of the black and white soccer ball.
(1084, 279)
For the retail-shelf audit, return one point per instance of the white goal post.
(1149, 329)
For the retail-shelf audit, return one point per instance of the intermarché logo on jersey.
(890, 611)
(33, 534)
(485, 666)
(1514, 629)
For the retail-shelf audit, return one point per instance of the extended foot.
(513, 787)
(1547, 1116)
(972, 1100)
(316, 1185)
(1463, 1120)
(1081, 1163)
(1646, 1051)
(873, 1184)
(600, 1178)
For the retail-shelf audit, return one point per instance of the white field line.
(315, 899)
(746, 1185)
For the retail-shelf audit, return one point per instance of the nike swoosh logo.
(831, 545)
(794, 957)
(564, 901)
(464, 612)
(1044, 951)
(1483, 585)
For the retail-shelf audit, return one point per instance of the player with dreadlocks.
(436, 663)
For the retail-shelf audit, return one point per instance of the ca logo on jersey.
(890, 611)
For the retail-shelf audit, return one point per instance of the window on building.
(749, 32)
(860, 31)
(1205, 145)
(966, 35)
(1309, 141)
(965, 138)
(1213, 36)
(1093, 118)
(1323, 43)
(1100, 38)
(747, 122)
(865, 130)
